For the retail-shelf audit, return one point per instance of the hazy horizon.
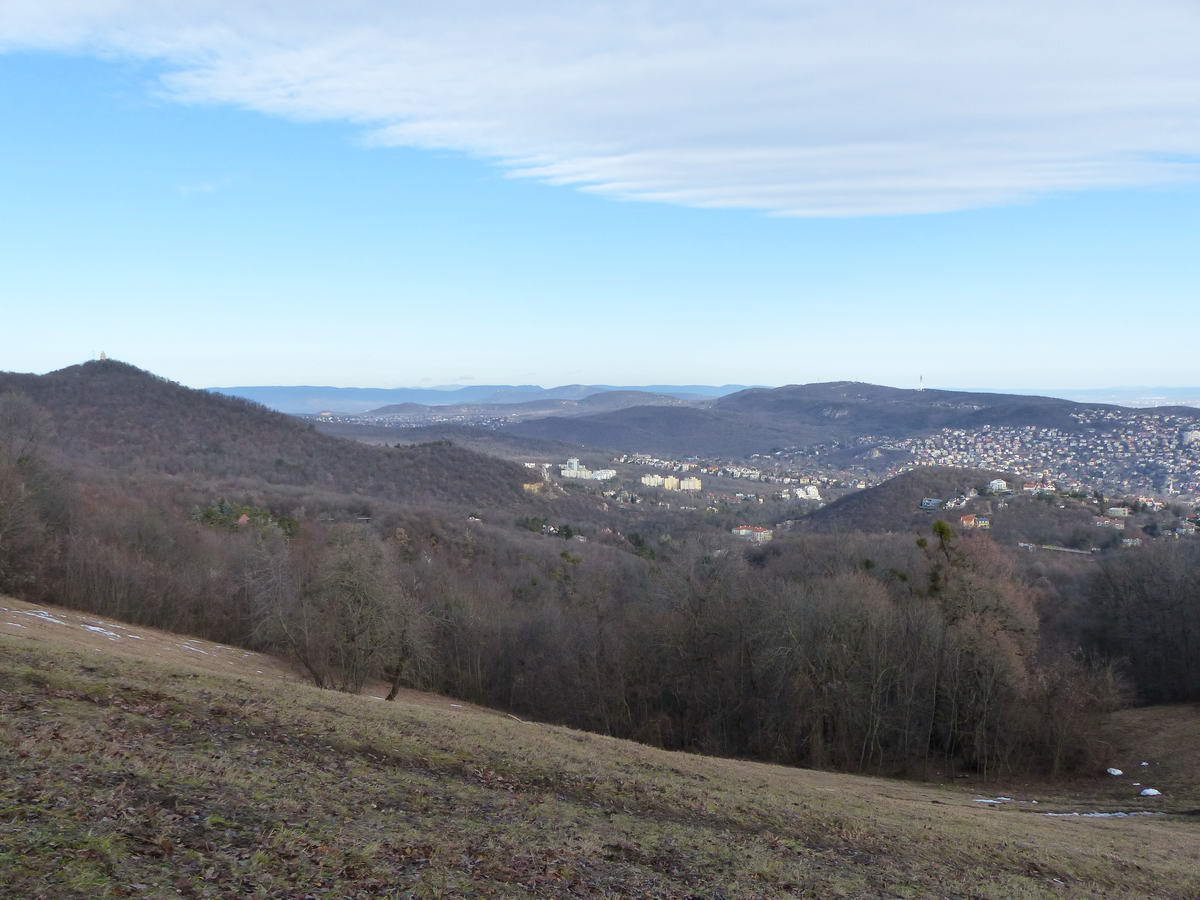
(549, 384)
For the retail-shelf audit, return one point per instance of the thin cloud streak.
(814, 109)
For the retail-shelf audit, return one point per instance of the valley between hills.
(243, 655)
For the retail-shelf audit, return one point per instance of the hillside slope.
(116, 416)
(127, 775)
(674, 431)
(487, 441)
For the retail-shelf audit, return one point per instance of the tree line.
(856, 652)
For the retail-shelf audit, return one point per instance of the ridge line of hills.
(311, 399)
(759, 420)
(751, 420)
(301, 399)
(112, 415)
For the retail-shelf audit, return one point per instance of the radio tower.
(921, 383)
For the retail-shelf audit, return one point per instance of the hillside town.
(1119, 452)
(784, 493)
(797, 486)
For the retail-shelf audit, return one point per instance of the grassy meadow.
(140, 768)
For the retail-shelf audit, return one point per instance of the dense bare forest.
(113, 415)
(893, 653)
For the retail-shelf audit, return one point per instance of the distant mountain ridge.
(301, 399)
(766, 419)
(590, 404)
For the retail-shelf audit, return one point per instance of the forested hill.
(860, 408)
(670, 430)
(765, 419)
(119, 417)
(895, 505)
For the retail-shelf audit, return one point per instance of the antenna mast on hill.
(103, 355)
(921, 383)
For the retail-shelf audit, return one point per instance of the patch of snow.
(258, 671)
(456, 705)
(41, 614)
(194, 649)
(112, 635)
(977, 799)
(1114, 772)
(16, 624)
(1143, 764)
(1106, 815)
(1150, 792)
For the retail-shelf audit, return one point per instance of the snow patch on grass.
(40, 614)
(1105, 815)
(111, 635)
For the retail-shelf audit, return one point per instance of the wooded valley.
(898, 653)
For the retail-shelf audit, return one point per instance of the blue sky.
(219, 236)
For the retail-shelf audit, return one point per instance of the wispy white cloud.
(818, 108)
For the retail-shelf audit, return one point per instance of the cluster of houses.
(1120, 450)
(969, 521)
(808, 484)
(671, 482)
(931, 503)
(800, 492)
(755, 533)
(573, 469)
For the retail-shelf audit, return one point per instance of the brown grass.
(133, 769)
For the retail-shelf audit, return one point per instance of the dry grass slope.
(130, 772)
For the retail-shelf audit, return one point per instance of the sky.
(986, 194)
